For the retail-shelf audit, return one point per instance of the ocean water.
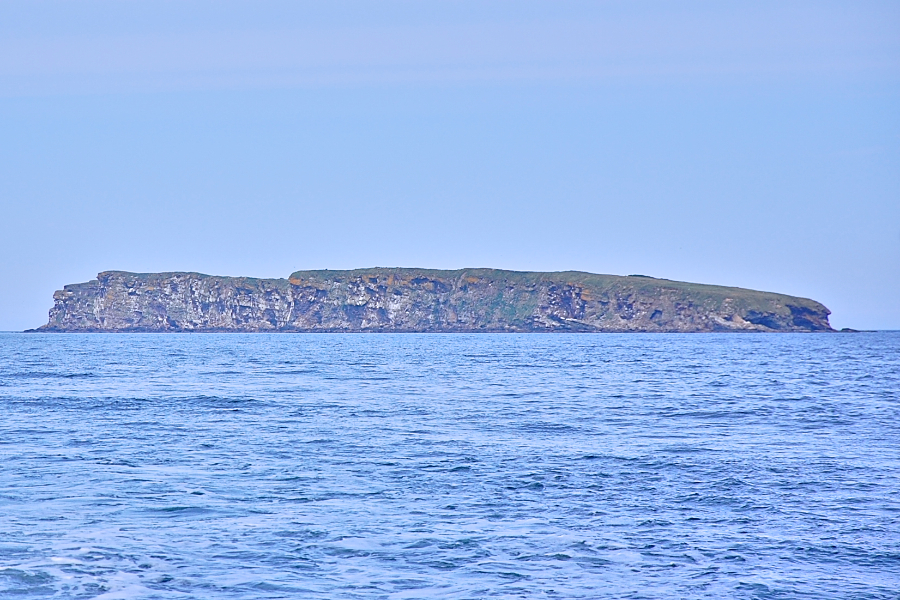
(450, 466)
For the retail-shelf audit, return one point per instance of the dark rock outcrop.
(423, 300)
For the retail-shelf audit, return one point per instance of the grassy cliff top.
(638, 283)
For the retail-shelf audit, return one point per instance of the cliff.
(423, 300)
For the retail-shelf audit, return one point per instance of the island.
(422, 300)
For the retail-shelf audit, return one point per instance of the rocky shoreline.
(422, 300)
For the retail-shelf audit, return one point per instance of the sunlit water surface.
(450, 466)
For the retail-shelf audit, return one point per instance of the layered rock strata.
(421, 300)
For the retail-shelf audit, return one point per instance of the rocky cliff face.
(422, 300)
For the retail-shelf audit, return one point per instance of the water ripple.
(459, 466)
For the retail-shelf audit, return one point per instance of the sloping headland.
(421, 300)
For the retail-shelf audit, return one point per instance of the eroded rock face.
(422, 300)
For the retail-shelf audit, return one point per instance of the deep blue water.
(450, 466)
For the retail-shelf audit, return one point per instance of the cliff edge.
(421, 300)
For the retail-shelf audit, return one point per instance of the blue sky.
(749, 144)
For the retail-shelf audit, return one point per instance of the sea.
(757, 466)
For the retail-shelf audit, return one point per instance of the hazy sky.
(754, 144)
